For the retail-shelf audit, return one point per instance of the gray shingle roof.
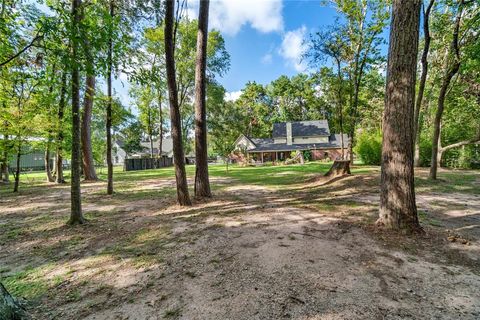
(268, 145)
(302, 129)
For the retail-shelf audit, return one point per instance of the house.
(314, 136)
(31, 160)
(120, 155)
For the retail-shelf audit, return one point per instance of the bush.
(425, 151)
(307, 155)
(369, 148)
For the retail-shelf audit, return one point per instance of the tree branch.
(475, 140)
(37, 37)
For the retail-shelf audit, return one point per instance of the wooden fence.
(147, 163)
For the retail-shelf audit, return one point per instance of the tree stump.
(10, 308)
(339, 168)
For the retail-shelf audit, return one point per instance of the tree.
(423, 79)
(144, 96)
(109, 102)
(364, 22)
(331, 44)
(397, 198)
(202, 184)
(183, 197)
(453, 62)
(76, 216)
(132, 136)
(60, 128)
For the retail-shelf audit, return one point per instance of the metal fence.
(147, 163)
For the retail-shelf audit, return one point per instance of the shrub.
(307, 155)
(425, 151)
(369, 148)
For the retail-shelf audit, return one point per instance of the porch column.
(261, 156)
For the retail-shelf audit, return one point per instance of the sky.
(265, 38)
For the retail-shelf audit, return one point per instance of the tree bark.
(10, 309)
(17, 169)
(423, 79)
(76, 216)
(340, 105)
(48, 170)
(202, 183)
(183, 197)
(398, 209)
(160, 115)
(339, 168)
(4, 170)
(60, 115)
(109, 107)
(450, 72)
(87, 154)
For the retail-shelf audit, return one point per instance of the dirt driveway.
(250, 253)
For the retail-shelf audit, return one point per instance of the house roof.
(302, 129)
(265, 145)
(167, 146)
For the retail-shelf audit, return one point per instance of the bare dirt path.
(252, 253)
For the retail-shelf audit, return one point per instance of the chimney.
(289, 133)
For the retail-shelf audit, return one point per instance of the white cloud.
(293, 48)
(229, 16)
(232, 96)
(267, 59)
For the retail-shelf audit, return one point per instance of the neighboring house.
(313, 136)
(167, 151)
(118, 153)
(33, 160)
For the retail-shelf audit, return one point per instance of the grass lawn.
(270, 243)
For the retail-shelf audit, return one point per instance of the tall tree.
(183, 197)
(76, 216)
(452, 66)
(109, 102)
(86, 131)
(331, 44)
(398, 209)
(202, 183)
(60, 137)
(423, 79)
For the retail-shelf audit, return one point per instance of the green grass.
(31, 283)
(459, 181)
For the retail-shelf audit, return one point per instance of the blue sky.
(265, 38)
(269, 42)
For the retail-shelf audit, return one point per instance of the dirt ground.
(252, 252)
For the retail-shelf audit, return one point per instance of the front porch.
(262, 157)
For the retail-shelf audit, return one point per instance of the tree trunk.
(109, 107)
(87, 154)
(421, 88)
(4, 175)
(398, 209)
(76, 216)
(160, 114)
(450, 72)
(338, 169)
(183, 197)
(202, 183)
(17, 169)
(48, 170)
(10, 309)
(340, 106)
(350, 146)
(61, 108)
